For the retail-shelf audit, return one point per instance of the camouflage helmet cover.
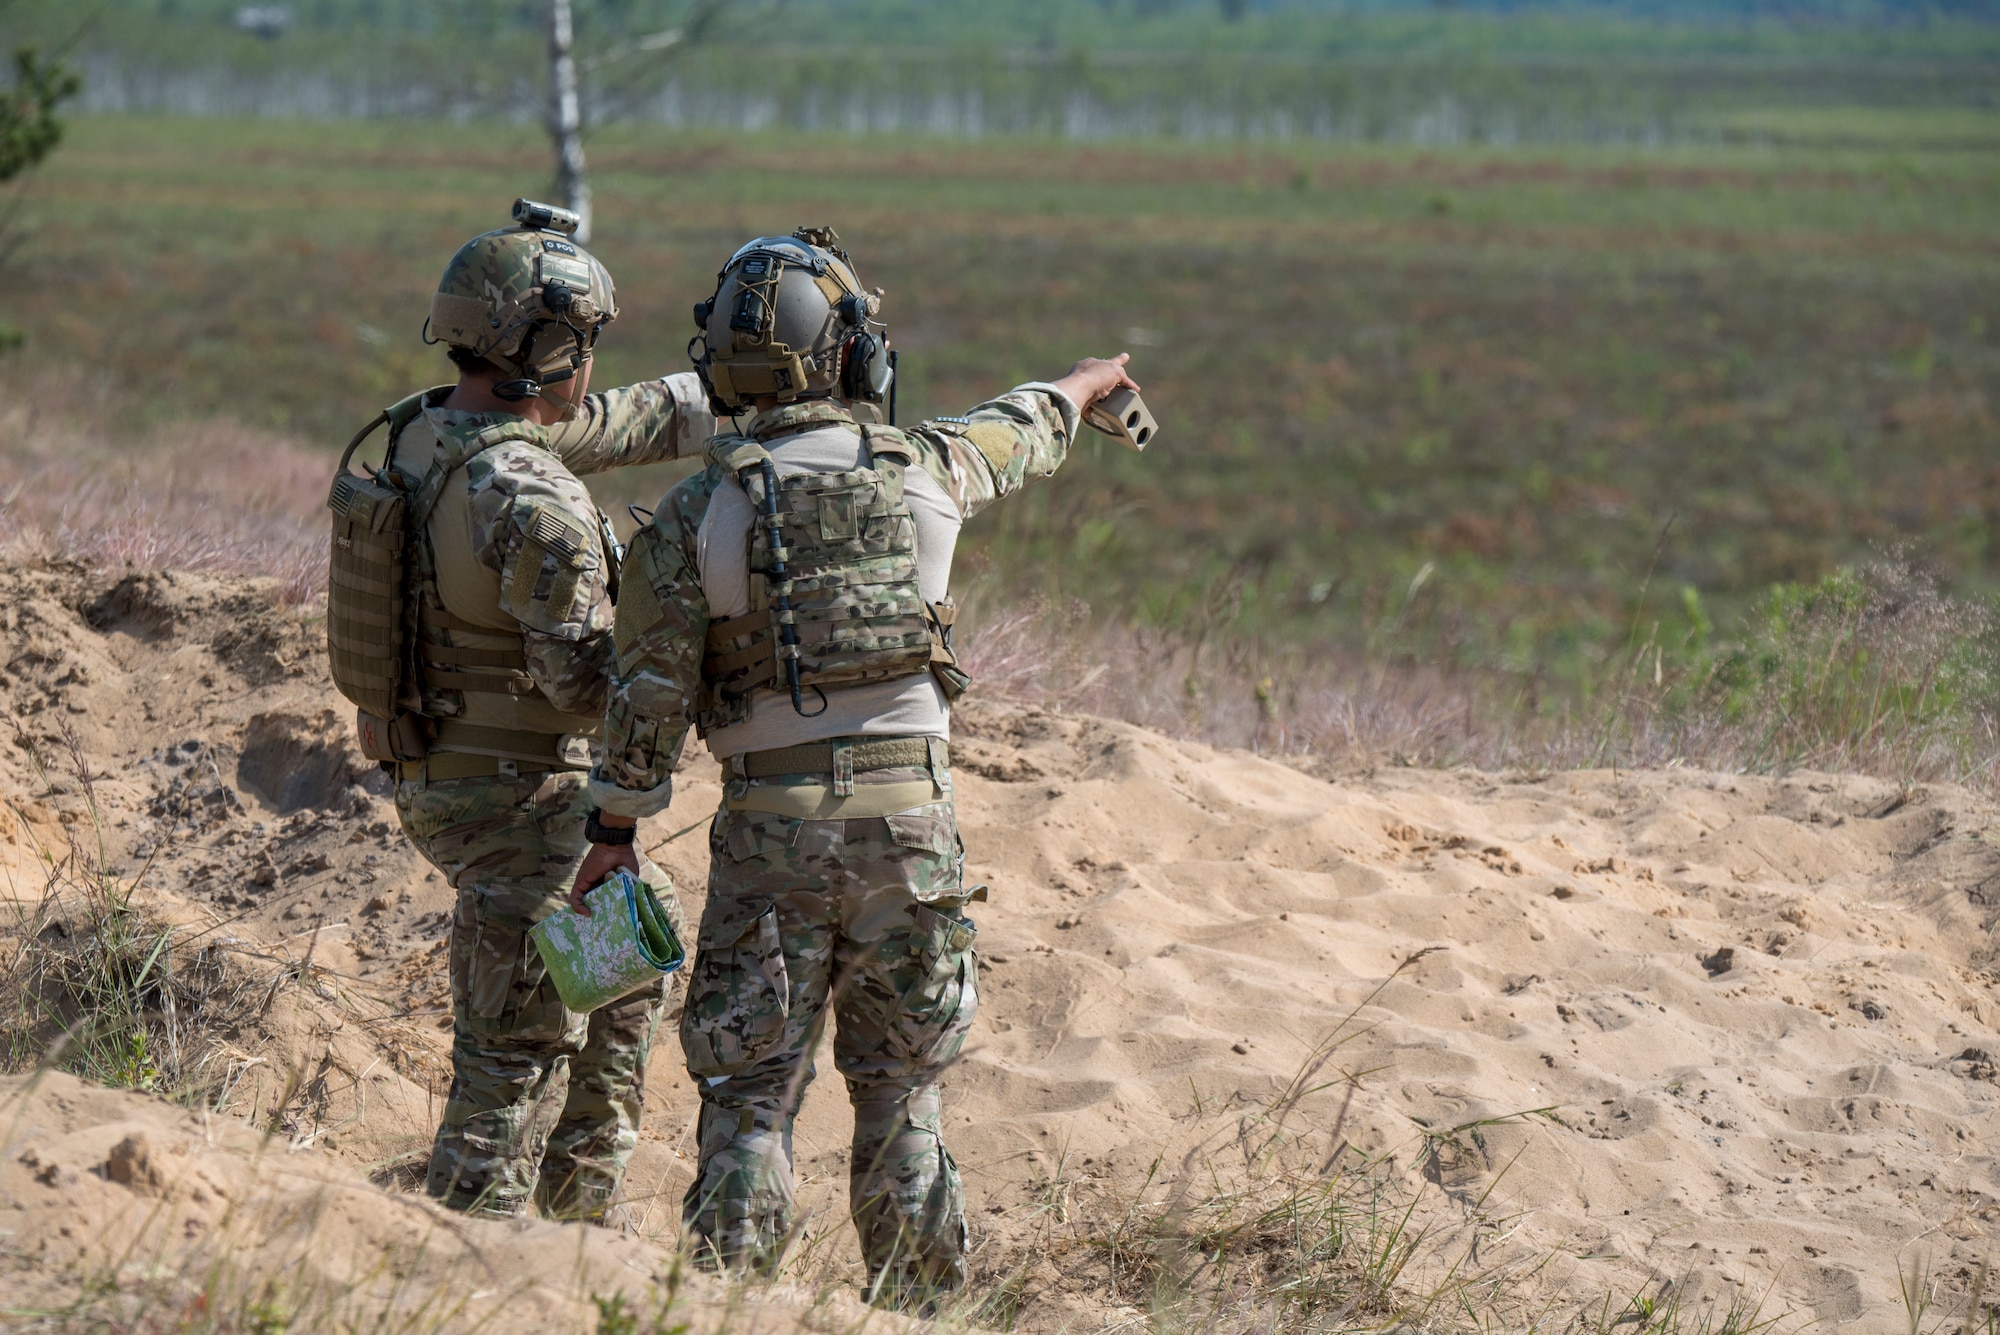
(527, 298)
(789, 320)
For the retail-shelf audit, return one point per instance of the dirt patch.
(292, 763)
(1172, 935)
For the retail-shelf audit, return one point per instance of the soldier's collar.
(790, 418)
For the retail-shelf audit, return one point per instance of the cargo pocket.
(499, 983)
(936, 1010)
(464, 938)
(498, 963)
(755, 834)
(739, 996)
(931, 829)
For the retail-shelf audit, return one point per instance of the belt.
(442, 765)
(820, 757)
(470, 751)
(816, 801)
(561, 750)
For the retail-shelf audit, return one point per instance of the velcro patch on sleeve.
(995, 441)
(639, 611)
(542, 580)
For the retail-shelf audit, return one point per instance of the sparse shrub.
(1869, 666)
(94, 982)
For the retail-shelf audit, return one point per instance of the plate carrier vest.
(383, 634)
(834, 599)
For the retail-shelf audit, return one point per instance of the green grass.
(1508, 372)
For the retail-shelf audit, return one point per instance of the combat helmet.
(526, 298)
(790, 320)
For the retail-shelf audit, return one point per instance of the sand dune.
(1729, 1035)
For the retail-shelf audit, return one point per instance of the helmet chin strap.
(581, 358)
(532, 384)
(571, 411)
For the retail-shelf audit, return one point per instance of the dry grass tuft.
(211, 496)
(1873, 670)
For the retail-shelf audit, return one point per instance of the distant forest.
(1159, 23)
(1632, 72)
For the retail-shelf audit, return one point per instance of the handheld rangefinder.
(1122, 415)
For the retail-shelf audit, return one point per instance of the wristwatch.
(608, 834)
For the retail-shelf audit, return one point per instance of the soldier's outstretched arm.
(644, 423)
(993, 450)
(662, 626)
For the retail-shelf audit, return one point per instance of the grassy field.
(1488, 409)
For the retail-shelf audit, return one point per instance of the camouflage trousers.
(545, 1102)
(863, 918)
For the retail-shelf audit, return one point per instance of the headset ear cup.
(865, 373)
(701, 362)
(885, 373)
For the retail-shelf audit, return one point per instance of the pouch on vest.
(366, 576)
(403, 738)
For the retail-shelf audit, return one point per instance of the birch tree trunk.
(566, 118)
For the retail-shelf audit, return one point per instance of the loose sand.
(1727, 1034)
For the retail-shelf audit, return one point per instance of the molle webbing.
(367, 571)
(506, 669)
(723, 660)
(364, 617)
(834, 565)
(437, 618)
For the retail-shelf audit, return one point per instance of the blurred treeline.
(1384, 70)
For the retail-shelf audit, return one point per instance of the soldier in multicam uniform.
(509, 639)
(790, 603)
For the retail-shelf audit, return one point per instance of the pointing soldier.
(791, 604)
(496, 632)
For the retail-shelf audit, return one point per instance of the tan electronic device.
(1122, 415)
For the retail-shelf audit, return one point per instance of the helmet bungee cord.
(789, 320)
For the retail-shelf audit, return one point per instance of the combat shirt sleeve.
(993, 450)
(661, 628)
(536, 527)
(644, 423)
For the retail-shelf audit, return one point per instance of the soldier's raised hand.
(1094, 377)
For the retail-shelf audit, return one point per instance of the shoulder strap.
(886, 442)
(460, 451)
(741, 458)
(733, 454)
